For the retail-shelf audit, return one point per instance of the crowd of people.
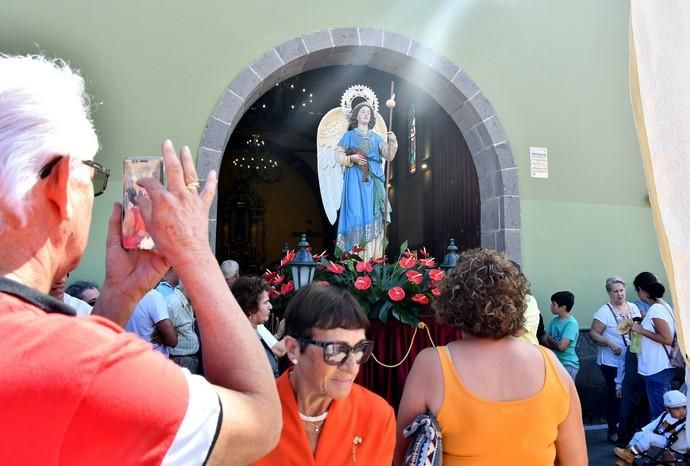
(169, 362)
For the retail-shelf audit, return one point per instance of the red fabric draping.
(392, 339)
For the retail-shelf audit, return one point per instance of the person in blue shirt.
(562, 332)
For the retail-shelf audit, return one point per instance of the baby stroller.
(666, 456)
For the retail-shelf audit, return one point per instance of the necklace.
(314, 421)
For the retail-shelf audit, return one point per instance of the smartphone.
(134, 234)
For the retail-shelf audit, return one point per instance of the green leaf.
(385, 311)
(403, 247)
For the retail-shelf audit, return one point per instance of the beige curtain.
(660, 92)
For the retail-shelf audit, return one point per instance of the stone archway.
(440, 78)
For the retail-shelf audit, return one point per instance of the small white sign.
(538, 162)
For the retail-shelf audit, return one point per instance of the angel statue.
(351, 153)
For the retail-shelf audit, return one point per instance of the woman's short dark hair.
(484, 295)
(353, 116)
(324, 307)
(247, 290)
(654, 289)
(77, 288)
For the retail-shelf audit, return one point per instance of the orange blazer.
(359, 430)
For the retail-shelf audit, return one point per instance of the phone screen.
(134, 234)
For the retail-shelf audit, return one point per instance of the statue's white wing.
(331, 128)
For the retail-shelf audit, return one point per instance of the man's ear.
(57, 188)
(291, 347)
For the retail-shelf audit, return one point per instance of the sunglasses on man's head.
(336, 353)
(100, 174)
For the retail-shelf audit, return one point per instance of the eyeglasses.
(336, 353)
(100, 174)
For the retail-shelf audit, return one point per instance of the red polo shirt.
(81, 391)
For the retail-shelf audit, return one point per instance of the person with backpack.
(657, 330)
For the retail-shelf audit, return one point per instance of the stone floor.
(599, 449)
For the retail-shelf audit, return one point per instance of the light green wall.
(556, 72)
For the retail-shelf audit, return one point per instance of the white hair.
(230, 268)
(44, 112)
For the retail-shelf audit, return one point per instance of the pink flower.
(363, 266)
(408, 262)
(288, 287)
(415, 277)
(357, 249)
(421, 298)
(396, 293)
(378, 260)
(363, 283)
(436, 275)
(323, 283)
(429, 263)
(436, 291)
(335, 268)
(423, 253)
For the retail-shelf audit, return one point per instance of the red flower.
(269, 276)
(273, 294)
(420, 298)
(423, 253)
(429, 263)
(363, 283)
(335, 268)
(278, 280)
(363, 266)
(357, 249)
(317, 257)
(288, 287)
(289, 257)
(415, 277)
(396, 293)
(378, 260)
(323, 283)
(436, 291)
(408, 262)
(436, 275)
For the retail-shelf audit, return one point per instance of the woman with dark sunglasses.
(327, 418)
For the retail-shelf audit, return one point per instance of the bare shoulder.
(426, 363)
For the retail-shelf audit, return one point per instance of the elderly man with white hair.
(83, 391)
(231, 271)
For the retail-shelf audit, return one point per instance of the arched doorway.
(441, 79)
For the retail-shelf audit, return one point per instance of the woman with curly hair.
(251, 294)
(497, 399)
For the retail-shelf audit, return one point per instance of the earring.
(294, 361)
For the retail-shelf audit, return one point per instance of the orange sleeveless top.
(482, 432)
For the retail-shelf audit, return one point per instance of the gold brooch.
(356, 441)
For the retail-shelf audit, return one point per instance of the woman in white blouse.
(612, 346)
(657, 330)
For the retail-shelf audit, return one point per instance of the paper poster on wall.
(538, 162)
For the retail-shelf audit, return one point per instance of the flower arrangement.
(403, 289)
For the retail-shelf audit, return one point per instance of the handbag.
(675, 355)
(425, 448)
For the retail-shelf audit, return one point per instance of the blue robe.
(362, 204)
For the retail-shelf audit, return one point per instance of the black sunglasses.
(100, 174)
(336, 353)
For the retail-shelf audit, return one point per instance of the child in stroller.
(666, 432)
